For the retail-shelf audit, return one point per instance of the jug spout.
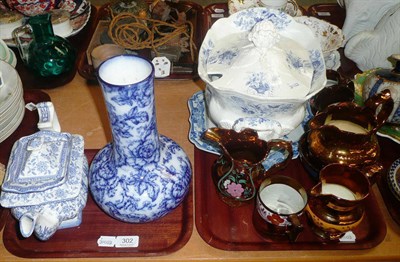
(27, 224)
(43, 224)
(341, 187)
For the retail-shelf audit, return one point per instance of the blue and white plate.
(199, 123)
(394, 178)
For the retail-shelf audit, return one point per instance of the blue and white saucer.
(199, 123)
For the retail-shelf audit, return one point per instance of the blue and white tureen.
(46, 184)
(260, 67)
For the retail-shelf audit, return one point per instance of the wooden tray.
(160, 237)
(79, 41)
(186, 68)
(230, 228)
(28, 126)
(331, 13)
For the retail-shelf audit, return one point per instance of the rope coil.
(137, 32)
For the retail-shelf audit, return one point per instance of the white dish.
(199, 122)
(292, 8)
(14, 124)
(236, 29)
(78, 23)
(330, 36)
(391, 132)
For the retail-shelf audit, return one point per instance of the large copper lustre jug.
(346, 133)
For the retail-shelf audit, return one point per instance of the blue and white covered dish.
(46, 182)
(260, 66)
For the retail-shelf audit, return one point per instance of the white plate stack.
(12, 104)
(7, 55)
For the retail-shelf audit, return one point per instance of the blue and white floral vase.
(141, 175)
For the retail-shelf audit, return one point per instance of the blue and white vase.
(140, 176)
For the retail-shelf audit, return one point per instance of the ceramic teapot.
(335, 204)
(380, 79)
(346, 133)
(239, 171)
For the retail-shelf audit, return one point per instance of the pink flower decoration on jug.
(235, 190)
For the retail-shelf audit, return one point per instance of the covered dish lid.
(44, 167)
(262, 52)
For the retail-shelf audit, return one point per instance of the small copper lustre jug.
(336, 203)
(239, 170)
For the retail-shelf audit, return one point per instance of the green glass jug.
(46, 54)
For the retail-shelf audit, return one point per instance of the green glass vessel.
(47, 54)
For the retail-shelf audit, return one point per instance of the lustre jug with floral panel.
(240, 170)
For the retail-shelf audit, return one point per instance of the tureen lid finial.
(264, 34)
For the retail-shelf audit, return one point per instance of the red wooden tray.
(231, 228)
(79, 41)
(160, 237)
(186, 68)
(331, 13)
(28, 126)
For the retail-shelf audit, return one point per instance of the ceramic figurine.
(371, 47)
(363, 15)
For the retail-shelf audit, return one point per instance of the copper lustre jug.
(239, 171)
(336, 203)
(346, 133)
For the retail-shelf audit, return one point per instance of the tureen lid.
(264, 53)
(44, 167)
(266, 64)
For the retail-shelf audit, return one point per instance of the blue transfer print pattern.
(140, 176)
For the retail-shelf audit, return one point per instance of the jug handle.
(211, 135)
(22, 50)
(281, 144)
(383, 99)
(294, 230)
